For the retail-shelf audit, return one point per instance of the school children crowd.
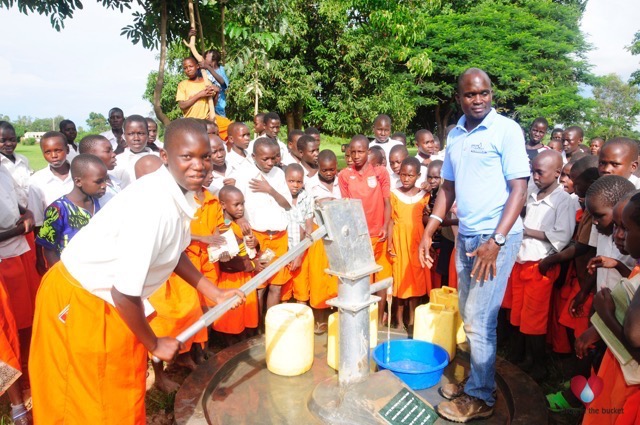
(122, 241)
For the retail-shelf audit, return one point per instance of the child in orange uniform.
(410, 280)
(300, 218)
(91, 336)
(370, 185)
(18, 282)
(617, 403)
(239, 269)
(548, 227)
(267, 199)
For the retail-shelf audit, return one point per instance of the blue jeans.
(479, 306)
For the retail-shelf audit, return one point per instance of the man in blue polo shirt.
(485, 171)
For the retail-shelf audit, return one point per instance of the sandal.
(23, 419)
(557, 403)
(320, 328)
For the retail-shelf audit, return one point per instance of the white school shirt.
(556, 216)
(111, 137)
(113, 188)
(236, 161)
(125, 165)
(21, 172)
(319, 190)
(609, 278)
(44, 188)
(218, 180)
(635, 180)
(386, 147)
(72, 153)
(261, 210)
(9, 216)
(135, 253)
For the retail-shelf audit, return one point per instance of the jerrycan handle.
(436, 306)
(449, 290)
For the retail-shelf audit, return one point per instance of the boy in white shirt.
(101, 147)
(136, 133)
(17, 165)
(549, 223)
(267, 199)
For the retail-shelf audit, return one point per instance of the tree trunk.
(157, 91)
(298, 113)
(223, 48)
(200, 30)
(439, 122)
(291, 125)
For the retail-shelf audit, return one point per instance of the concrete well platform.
(234, 387)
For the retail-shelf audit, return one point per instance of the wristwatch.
(499, 239)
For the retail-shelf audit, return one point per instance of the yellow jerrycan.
(333, 341)
(449, 297)
(435, 323)
(289, 339)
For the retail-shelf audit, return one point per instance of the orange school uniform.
(9, 343)
(279, 244)
(531, 297)
(22, 282)
(619, 400)
(178, 304)
(233, 275)
(410, 279)
(73, 329)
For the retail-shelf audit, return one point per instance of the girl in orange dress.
(410, 280)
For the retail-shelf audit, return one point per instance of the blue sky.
(89, 67)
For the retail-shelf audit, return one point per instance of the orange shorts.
(298, 285)
(531, 292)
(381, 256)
(278, 243)
(245, 316)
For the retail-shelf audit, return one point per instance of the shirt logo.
(372, 181)
(477, 148)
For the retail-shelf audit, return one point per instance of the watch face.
(500, 239)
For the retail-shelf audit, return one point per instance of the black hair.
(81, 163)
(411, 161)
(216, 56)
(311, 131)
(327, 155)
(90, 142)
(382, 117)
(399, 135)
(586, 169)
(303, 141)
(294, 133)
(6, 125)
(177, 128)
(435, 163)
(577, 129)
(630, 144)
(540, 120)
(116, 109)
(294, 167)
(271, 116)
(609, 189)
(52, 135)
(360, 138)
(472, 71)
(136, 118)
(377, 152)
(264, 141)
(399, 148)
(227, 190)
(63, 123)
(635, 200)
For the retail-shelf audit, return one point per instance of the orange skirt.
(617, 398)
(245, 316)
(279, 244)
(177, 306)
(322, 286)
(91, 368)
(453, 272)
(22, 282)
(381, 256)
(9, 342)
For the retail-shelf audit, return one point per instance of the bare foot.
(185, 360)
(165, 384)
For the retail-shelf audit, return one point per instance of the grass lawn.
(33, 154)
(37, 162)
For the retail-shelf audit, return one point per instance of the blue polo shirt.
(480, 162)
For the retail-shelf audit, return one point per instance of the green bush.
(30, 141)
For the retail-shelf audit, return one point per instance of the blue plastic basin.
(419, 364)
